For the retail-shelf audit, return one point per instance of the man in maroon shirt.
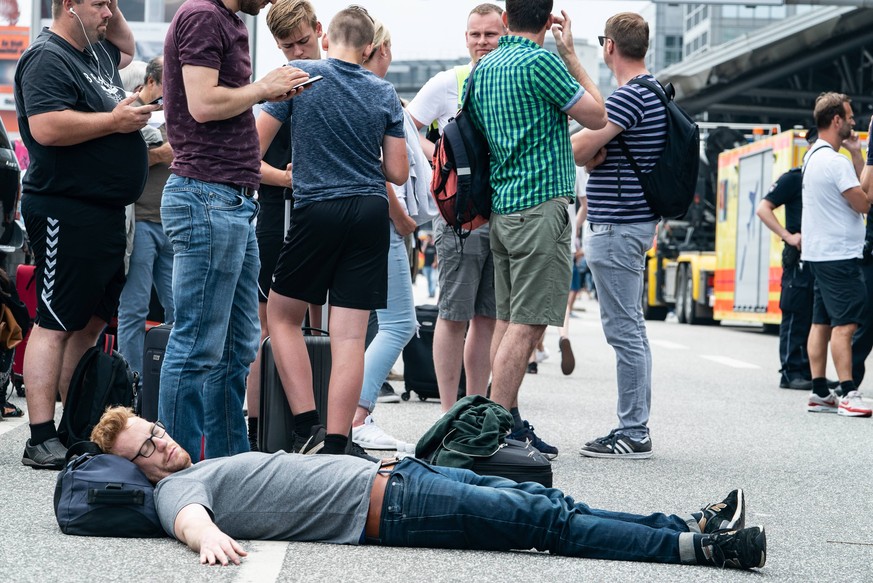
(207, 213)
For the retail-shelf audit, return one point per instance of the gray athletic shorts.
(466, 280)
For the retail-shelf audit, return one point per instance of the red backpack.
(461, 182)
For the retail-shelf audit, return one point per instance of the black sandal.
(10, 410)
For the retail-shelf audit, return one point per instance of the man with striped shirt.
(522, 96)
(621, 227)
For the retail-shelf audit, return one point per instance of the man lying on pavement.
(347, 500)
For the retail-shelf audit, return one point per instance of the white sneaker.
(853, 406)
(542, 355)
(371, 436)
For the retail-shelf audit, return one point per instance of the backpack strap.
(82, 448)
(665, 99)
(462, 73)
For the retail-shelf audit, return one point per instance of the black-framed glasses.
(148, 446)
(602, 39)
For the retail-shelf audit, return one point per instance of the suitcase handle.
(311, 329)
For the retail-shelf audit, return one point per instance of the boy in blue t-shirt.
(347, 139)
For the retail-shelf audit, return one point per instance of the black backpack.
(670, 186)
(101, 494)
(102, 379)
(461, 182)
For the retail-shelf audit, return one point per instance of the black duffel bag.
(101, 494)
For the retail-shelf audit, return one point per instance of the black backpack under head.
(670, 186)
(100, 494)
(102, 379)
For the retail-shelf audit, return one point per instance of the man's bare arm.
(163, 154)
(118, 33)
(768, 217)
(858, 199)
(209, 101)
(195, 528)
(70, 127)
(589, 110)
(268, 127)
(587, 143)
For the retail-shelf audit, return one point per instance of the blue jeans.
(430, 275)
(396, 323)
(151, 263)
(616, 257)
(453, 508)
(215, 336)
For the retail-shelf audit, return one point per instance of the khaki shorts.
(532, 264)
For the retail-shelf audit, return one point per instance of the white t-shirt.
(831, 229)
(437, 100)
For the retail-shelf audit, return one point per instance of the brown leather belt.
(377, 496)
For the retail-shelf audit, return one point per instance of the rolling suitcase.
(25, 285)
(518, 461)
(418, 371)
(154, 347)
(276, 423)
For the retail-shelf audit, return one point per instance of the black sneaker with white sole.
(736, 549)
(729, 514)
(616, 445)
(312, 444)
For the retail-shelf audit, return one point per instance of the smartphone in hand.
(308, 82)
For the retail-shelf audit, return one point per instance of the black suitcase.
(154, 348)
(276, 424)
(418, 371)
(517, 460)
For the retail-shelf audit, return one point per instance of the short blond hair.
(630, 33)
(112, 423)
(286, 16)
(352, 27)
(381, 37)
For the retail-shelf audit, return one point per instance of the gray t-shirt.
(259, 496)
(337, 130)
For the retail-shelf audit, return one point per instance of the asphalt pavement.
(719, 421)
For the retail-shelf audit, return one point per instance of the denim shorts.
(532, 263)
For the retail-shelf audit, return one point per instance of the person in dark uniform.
(797, 284)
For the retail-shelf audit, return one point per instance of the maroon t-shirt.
(204, 33)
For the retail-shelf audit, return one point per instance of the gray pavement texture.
(716, 425)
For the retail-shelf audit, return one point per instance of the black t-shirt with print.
(90, 179)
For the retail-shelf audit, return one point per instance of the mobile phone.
(158, 101)
(308, 82)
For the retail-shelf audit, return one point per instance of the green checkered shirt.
(519, 98)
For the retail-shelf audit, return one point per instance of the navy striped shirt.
(614, 193)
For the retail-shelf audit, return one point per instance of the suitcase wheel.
(420, 398)
(405, 395)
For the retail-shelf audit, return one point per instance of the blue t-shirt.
(614, 193)
(337, 129)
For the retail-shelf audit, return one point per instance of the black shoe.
(358, 451)
(48, 455)
(527, 435)
(387, 394)
(616, 445)
(797, 384)
(568, 361)
(532, 368)
(729, 514)
(313, 443)
(737, 549)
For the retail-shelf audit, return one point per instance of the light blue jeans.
(151, 263)
(396, 323)
(215, 336)
(616, 256)
(431, 277)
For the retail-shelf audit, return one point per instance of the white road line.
(668, 344)
(264, 562)
(731, 362)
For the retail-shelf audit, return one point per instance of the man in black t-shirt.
(795, 301)
(88, 160)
